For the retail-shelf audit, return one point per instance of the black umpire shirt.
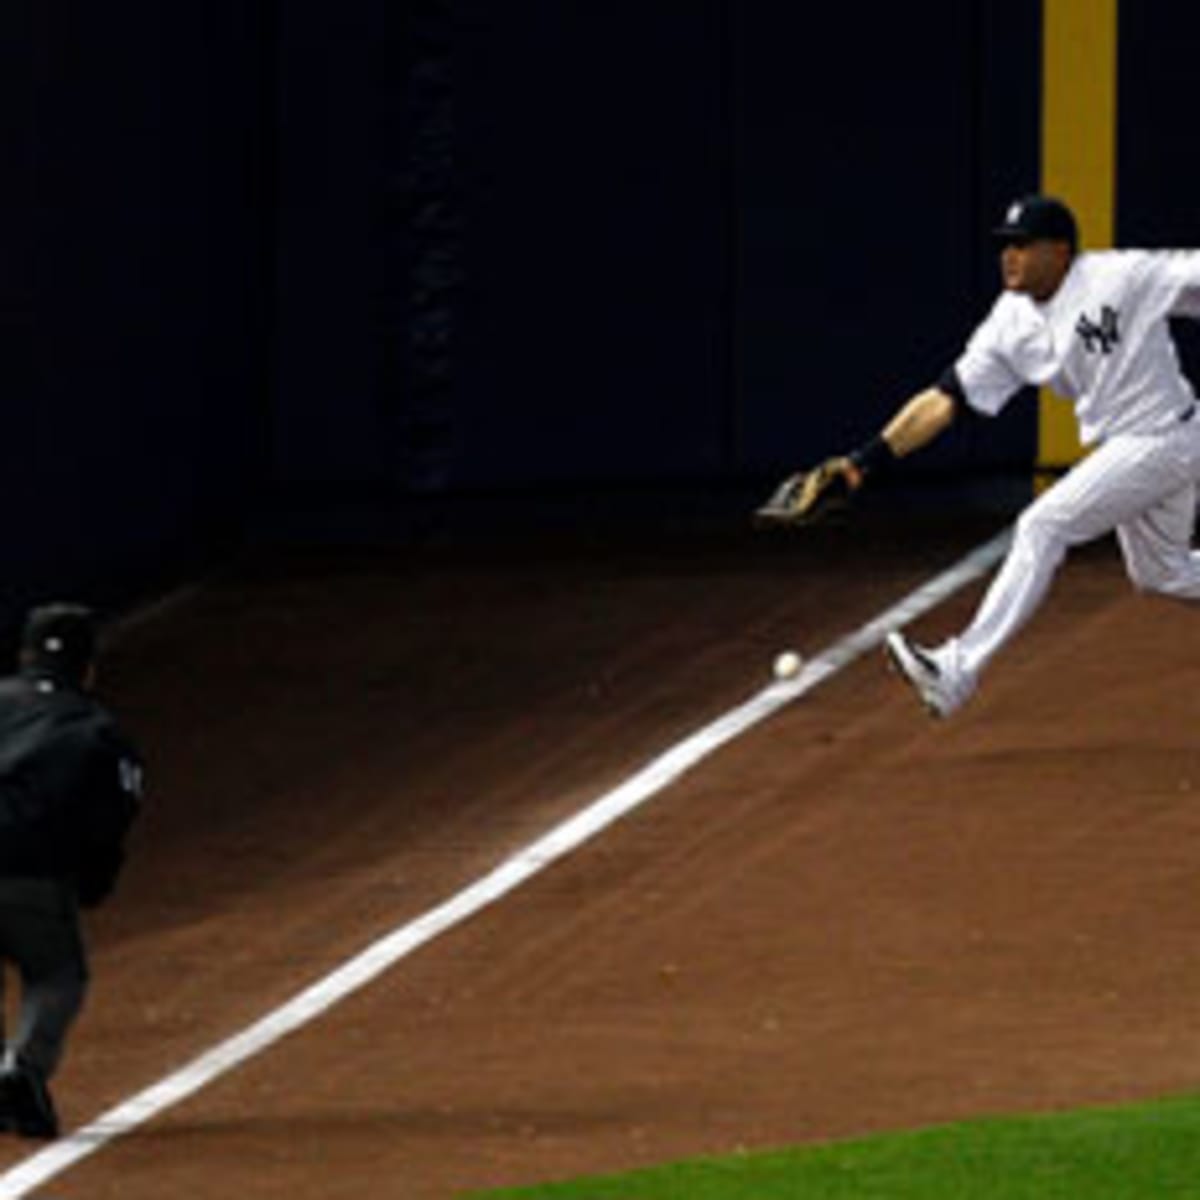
(70, 785)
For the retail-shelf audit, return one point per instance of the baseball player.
(70, 787)
(1094, 327)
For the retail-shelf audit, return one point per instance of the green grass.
(1140, 1152)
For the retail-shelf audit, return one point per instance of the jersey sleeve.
(1182, 271)
(985, 374)
(1168, 281)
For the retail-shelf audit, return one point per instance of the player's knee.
(1041, 532)
(1179, 580)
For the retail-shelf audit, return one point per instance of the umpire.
(70, 787)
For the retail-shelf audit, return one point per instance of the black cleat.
(26, 1107)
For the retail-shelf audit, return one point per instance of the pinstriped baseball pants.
(1143, 487)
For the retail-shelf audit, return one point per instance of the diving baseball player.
(1092, 326)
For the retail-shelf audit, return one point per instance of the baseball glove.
(810, 496)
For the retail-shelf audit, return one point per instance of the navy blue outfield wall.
(870, 162)
(139, 300)
(450, 247)
(1158, 170)
(691, 242)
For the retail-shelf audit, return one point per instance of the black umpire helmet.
(60, 639)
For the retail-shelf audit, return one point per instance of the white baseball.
(788, 665)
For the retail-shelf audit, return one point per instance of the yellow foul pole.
(1079, 156)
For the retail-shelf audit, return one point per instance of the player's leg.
(1157, 547)
(1111, 488)
(1074, 510)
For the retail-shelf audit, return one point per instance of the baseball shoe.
(943, 688)
(26, 1107)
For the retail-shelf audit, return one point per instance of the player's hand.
(810, 496)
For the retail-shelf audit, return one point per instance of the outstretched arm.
(926, 416)
(808, 495)
(921, 419)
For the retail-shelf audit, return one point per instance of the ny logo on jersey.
(1102, 336)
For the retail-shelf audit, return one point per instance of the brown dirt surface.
(851, 919)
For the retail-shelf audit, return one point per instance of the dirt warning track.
(851, 918)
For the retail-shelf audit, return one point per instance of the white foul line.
(377, 958)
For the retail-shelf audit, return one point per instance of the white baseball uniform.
(1103, 341)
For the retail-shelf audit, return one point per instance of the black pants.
(41, 936)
